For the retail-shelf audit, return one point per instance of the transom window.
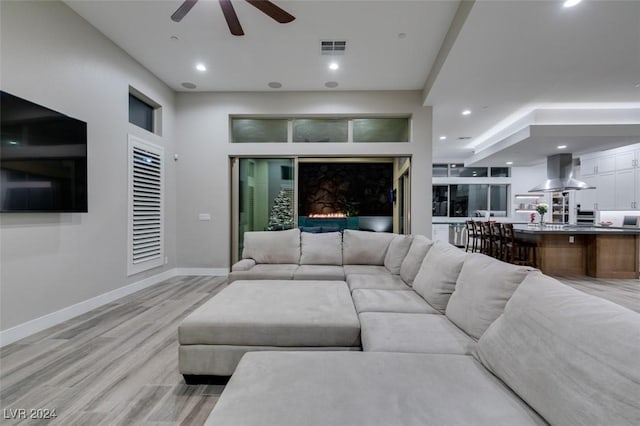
(320, 129)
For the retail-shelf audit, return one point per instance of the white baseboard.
(34, 326)
(214, 272)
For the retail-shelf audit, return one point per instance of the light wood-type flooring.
(117, 365)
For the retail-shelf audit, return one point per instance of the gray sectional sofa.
(446, 338)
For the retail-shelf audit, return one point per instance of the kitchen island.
(594, 251)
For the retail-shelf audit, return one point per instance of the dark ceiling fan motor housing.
(267, 7)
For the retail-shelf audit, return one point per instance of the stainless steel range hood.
(560, 176)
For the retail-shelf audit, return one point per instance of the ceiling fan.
(230, 16)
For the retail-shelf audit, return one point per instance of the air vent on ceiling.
(333, 47)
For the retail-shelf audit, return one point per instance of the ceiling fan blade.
(272, 10)
(183, 10)
(232, 19)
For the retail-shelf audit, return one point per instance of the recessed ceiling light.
(188, 85)
(562, 146)
(331, 84)
(275, 84)
(443, 138)
(334, 66)
(201, 67)
(466, 112)
(571, 3)
(508, 163)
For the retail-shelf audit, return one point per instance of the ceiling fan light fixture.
(265, 6)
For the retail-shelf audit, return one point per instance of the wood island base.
(594, 255)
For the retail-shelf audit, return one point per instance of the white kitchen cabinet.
(606, 191)
(606, 164)
(626, 160)
(616, 176)
(587, 198)
(588, 166)
(625, 189)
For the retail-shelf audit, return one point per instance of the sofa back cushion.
(272, 246)
(397, 251)
(321, 249)
(573, 357)
(364, 247)
(438, 274)
(483, 288)
(410, 266)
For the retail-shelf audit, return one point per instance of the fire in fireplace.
(327, 215)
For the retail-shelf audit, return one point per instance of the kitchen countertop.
(576, 229)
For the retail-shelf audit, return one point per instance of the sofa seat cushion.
(372, 300)
(265, 271)
(272, 246)
(366, 389)
(483, 288)
(275, 313)
(438, 274)
(365, 248)
(319, 272)
(321, 249)
(365, 269)
(573, 357)
(411, 263)
(381, 282)
(419, 333)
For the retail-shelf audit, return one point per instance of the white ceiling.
(509, 59)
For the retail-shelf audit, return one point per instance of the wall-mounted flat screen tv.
(43, 158)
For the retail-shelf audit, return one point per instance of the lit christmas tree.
(281, 216)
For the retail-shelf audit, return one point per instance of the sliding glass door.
(263, 197)
(268, 194)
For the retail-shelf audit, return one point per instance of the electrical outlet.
(572, 239)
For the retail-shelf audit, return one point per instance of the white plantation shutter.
(146, 214)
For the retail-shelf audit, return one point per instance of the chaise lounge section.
(554, 356)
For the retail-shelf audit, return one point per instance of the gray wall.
(53, 57)
(203, 169)
(50, 261)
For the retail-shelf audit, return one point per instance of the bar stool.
(497, 240)
(516, 251)
(486, 238)
(473, 237)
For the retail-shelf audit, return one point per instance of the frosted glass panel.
(381, 130)
(258, 130)
(320, 130)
